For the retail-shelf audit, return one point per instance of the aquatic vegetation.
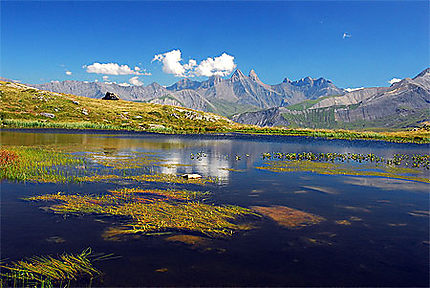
(136, 160)
(405, 136)
(288, 217)
(148, 215)
(158, 177)
(355, 209)
(128, 193)
(209, 220)
(18, 163)
(343, 222)
(332, 169)
(319, 242)
(47, 271)
(55, 239)
(187, 239)
(232, 169)
(415, 161)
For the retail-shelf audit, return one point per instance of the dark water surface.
(384, 246)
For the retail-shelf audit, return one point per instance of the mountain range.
(239, 93)
(403, 104)
(308, 102)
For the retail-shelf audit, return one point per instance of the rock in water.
(110, 96)
(192, 176)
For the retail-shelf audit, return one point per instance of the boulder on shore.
(110, 96)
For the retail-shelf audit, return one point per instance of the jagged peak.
(253, 75)
(425, 72)
(155, 84)
(237, 75)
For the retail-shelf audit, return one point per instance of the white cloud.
(394, 80)
(171, 62)
(105, 78)
(124, 84)
(113, 69)
(68, 73)
(346, 35)
(135, 81)
(221, 65)
(353, 89)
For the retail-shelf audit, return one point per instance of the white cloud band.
(113, 69)
(171, 61)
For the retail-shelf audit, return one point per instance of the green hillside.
(23, 106)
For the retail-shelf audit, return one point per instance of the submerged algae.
(288, 217)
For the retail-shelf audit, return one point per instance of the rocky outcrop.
(110, 96)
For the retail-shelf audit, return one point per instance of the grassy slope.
(21, 107)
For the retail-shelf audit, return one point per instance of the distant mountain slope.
(237, 94)
(403, 104)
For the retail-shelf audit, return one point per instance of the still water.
(384, 243)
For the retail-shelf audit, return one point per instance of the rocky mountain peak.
(184, 83)
(425, 73)
(253, 75)
(308, 81)
(237, 76)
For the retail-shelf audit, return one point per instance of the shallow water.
(386, 243)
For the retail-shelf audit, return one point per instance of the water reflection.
(387, 183)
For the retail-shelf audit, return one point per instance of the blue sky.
(353, 44)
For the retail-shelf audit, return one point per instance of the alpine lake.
(111, 209)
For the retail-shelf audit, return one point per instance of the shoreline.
(220, 135)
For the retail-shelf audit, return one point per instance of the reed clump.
(49, 271)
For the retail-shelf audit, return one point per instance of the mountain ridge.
(240, 91)
(403, 104)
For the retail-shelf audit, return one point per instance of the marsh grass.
(49, 271)
(334, 169)
(36, 164)
(134, 193)
(157, 177)
(420, 136)
(175, 211)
